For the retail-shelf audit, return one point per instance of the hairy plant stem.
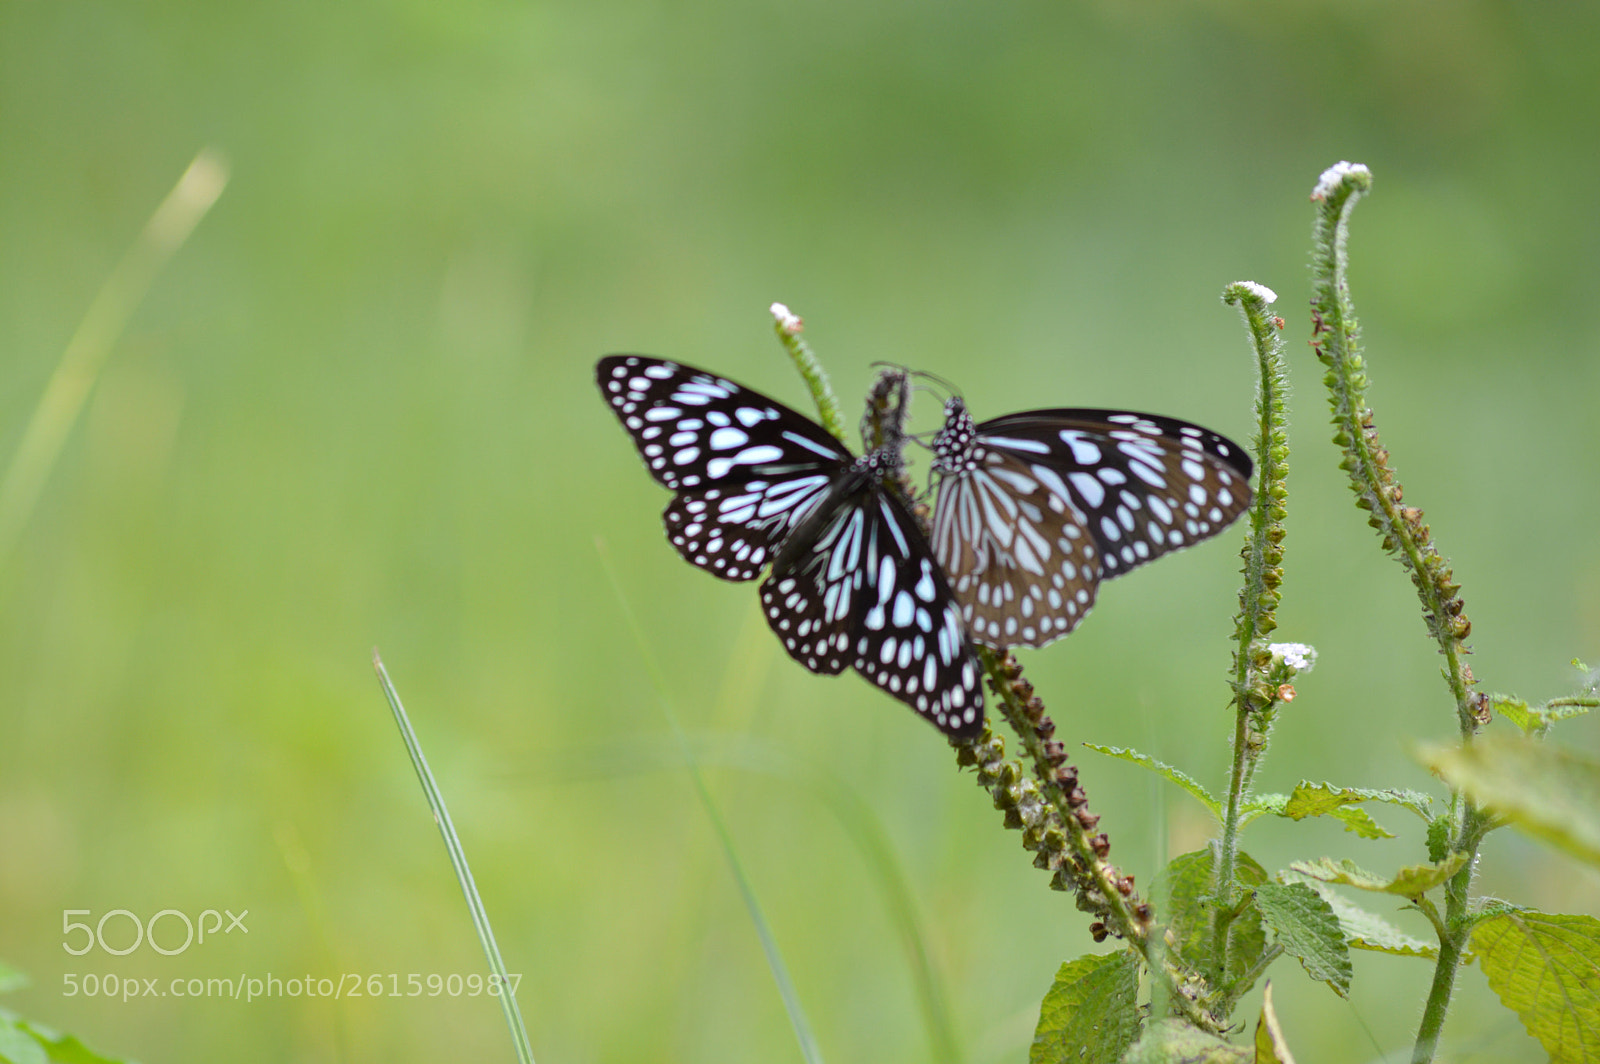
(788, 326)
(1336, 342)
(1255, 699)
(1228, 846)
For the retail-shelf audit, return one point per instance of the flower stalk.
(1336, 341)
(1258, 682)
(789, 326)
(1052, 811)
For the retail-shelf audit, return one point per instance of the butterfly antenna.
(949, 389)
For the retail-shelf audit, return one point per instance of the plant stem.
(1378, 491)
(1254, 699)
(1336, 342)
(788, 326)
(1228, 847)
(1457, 930)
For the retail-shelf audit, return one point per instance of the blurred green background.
(357, 409)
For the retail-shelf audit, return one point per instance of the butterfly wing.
(1036, 508)
(866, 592)
(746, 469)
(853, 580)
(1147, 485)
(1020, 558)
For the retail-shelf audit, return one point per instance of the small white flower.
(786, 318)
(1301, 657)
(1334, 176)
(1260, 291)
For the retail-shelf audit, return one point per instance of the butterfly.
(1036, 508)
(852, 581)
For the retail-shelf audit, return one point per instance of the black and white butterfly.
(853, 582)
(1036, 508)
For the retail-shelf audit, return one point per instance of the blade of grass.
(746, 669)
(458, 860)
(852, 811)
(97, 333)
(769, 945)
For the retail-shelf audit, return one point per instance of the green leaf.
(1363, 929)
(1324, 799)
(1408, 882)
(1517, 712)
(1536, 720)
(1308, 929)
(1262, 804)
(11, 979)
(1358, 820)
(1171, 1041)
(1550, 793)
(1546, 968)
(1319, 799)
(1174, 775)
(1440, 830)
(51, 1045)
(1271, 1047)
(1090, 1015)
(1565, 709)
(1183, 892)
(18, 1047)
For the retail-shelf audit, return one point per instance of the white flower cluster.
(1334, 176)
(1301, 657)
(786, 318)
(1260, 291)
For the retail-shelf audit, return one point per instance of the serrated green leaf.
(1171, 1041)
(1324, 799)
(1363, 929)
(1307, 929)
(18, 1047)
(1545, 967)
(1408, 882)
(1271, 802)
(1309, 796)
(1183, 893)
(1090, 1015)
(1259, 805)
(1271, 1047)
(1161, 768)
(11, 979)
(1358, 820)
(1551, 793)
(1517, 712)
(1536, 720)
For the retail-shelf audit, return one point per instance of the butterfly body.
(1036, 508)
(853, 582)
